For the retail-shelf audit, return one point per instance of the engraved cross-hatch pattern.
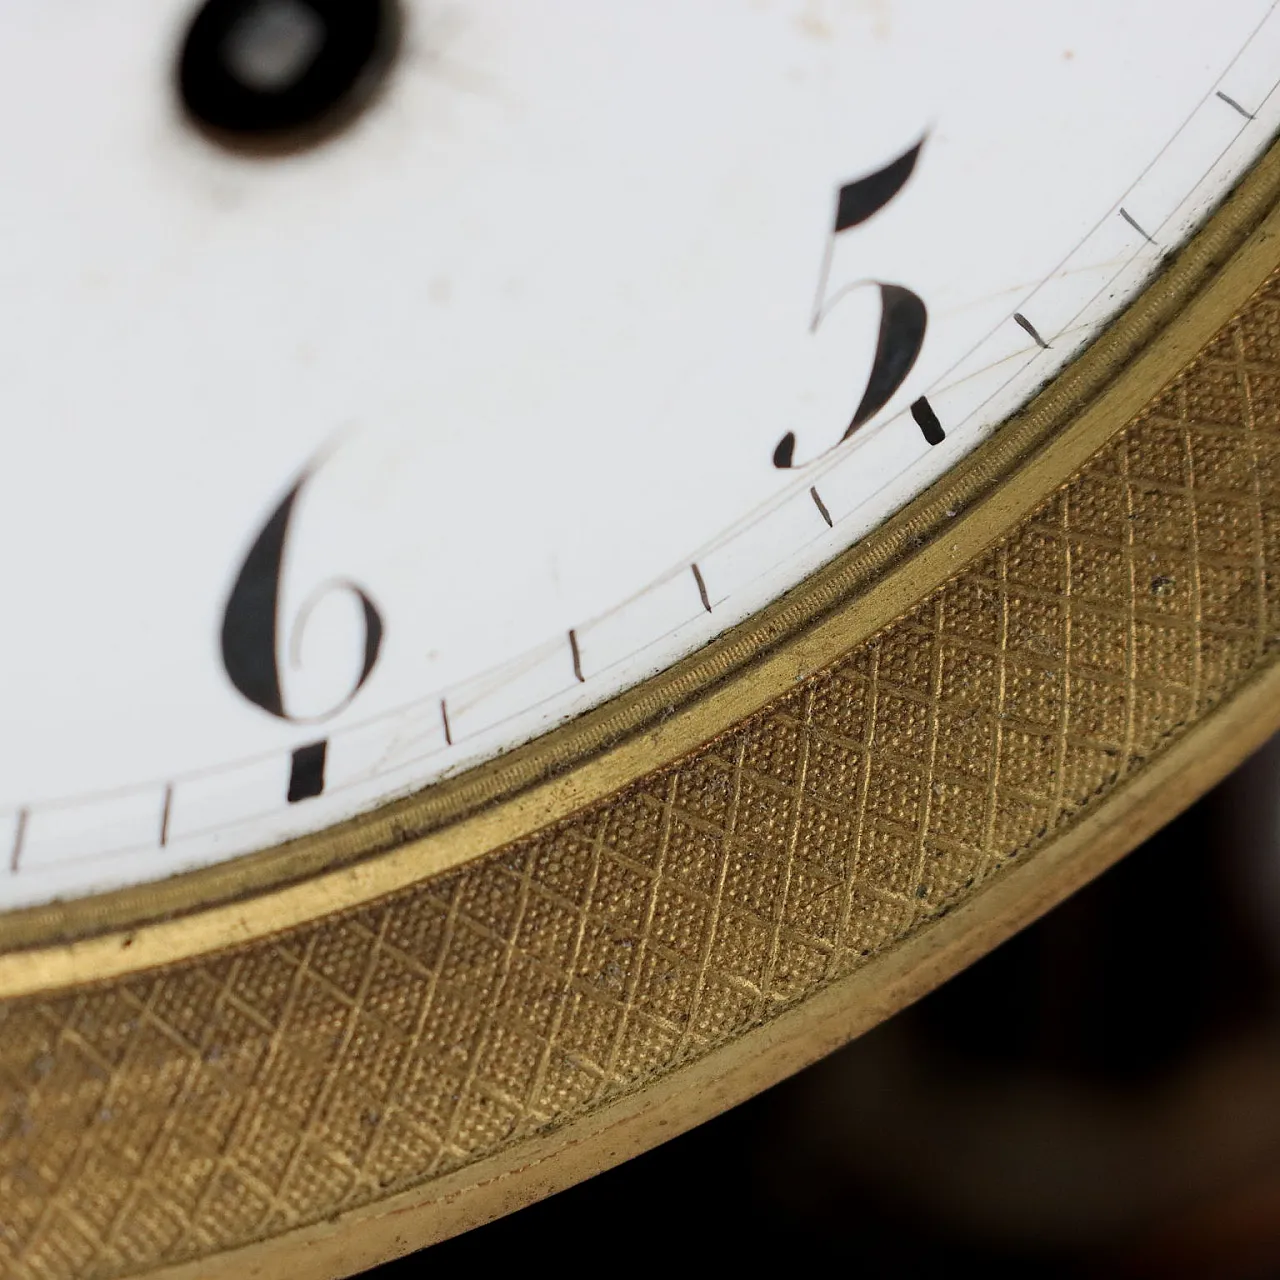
(164, 1117)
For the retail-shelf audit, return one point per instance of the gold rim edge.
(535, 1168)
(665, 718)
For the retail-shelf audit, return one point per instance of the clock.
(564, 560)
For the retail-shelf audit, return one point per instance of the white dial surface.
(339, 464)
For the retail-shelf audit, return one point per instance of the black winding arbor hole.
(279, 74)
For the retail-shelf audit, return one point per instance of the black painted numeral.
(903, 314)
(860, 199)
(251, 623)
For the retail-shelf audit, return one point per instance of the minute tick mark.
(927, 421)
(702, 587)
(165, 811)
(1128, 217)
(577, 657)
(1027, 327)
(822, 506)
(1231, 102)
(306, 774)
(444, 719)
(19, 838)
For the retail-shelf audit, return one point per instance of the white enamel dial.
(335, 469)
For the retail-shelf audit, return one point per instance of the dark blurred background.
(1098, 1097)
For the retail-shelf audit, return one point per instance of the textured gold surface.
(168, 1117)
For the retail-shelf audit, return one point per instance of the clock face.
(384, 386)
